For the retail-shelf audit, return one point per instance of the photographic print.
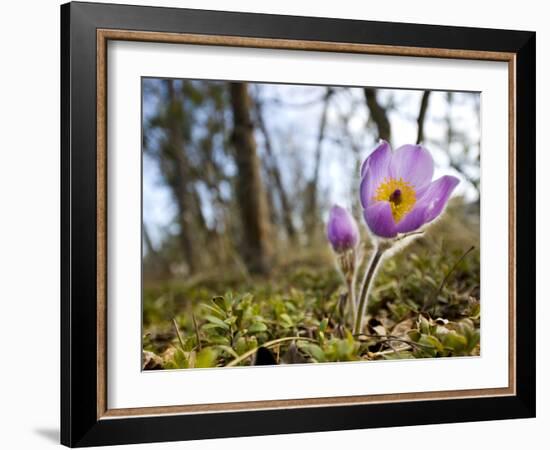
(313, 205)
(300, 224)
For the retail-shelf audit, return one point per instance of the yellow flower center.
(399, 193)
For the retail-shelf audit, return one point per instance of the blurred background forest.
(238, 179)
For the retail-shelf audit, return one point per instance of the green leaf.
(220, 302)
(414, 335)
(215, 309)
(466, 327)
(180, 359)
(433, 343)
(207, 357)
(228, 349)
(473, 340)
(286, 318)
(231, 320)
(241, 345)
(431, 281)
(216, 321)
(210, 326)
(314, 351)
(455, 341)
(423, 325)
(257, 327)
(475, 311)
(440, 331)
(218, 340)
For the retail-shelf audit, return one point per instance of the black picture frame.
(80, 425)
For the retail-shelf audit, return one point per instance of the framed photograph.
(277, 224)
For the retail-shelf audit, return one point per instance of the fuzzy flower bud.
(342, 230)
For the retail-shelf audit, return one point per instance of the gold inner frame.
(104, 35)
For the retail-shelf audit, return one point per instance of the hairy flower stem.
(347, 264)
(350, 281)
(365, 288)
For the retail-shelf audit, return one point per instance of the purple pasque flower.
(397, 192)
(342, 230)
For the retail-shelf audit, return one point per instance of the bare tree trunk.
(422, 116)
(311, 212)
(252, 199)
(179, 177)
(378, 114)
(275, 173)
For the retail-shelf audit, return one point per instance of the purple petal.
(414, 164)
(373, 170)
(436, 196)
(380, 220)
(379, 154)
(342, 230)
(430, 204)
(413, 220)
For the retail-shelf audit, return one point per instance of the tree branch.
(422, 116)
(378, 114)
(312, 185)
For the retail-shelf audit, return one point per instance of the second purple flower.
(342, 230)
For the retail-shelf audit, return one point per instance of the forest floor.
(424, 303)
